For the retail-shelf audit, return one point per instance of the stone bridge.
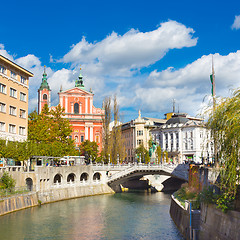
(46, 178)
(136, 172)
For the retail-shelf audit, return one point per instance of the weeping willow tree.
(224, 123)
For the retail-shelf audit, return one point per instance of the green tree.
(159, 153)
(106, 133)
(48, 133)
(116, 141)
(224, 124)
(7, 182)
(142, 152)
(91, 148)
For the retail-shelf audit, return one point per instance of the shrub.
(7, 182)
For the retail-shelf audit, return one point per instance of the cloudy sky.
(146, 52)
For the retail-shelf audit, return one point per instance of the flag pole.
(214, 108)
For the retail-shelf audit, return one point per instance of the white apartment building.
(185, 139)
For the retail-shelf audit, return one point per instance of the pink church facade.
(85, 119)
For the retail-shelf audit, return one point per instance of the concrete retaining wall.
(181, 218)
(19, 202)
(216, 225)
(23, 201)
(59, 194)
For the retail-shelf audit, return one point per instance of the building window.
(191, 144)
(21, 130)
(23, 80)
(2, 126)
(140, 133)
(13, 93)
(139, 141)
(12, 111)
(2, 107)
(2, 88)
(12, 128)
(22, 113)
(76, 108)
(2, 69)
(76, 139)
(82, 138)
(13, 75)
(45, 96)
(97, 139)
(177, 141)
(22, 96)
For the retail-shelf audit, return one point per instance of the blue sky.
(145, 52)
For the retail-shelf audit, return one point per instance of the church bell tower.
(44, 93)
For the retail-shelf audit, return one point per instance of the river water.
(126, 216)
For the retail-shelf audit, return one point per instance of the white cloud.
(118, 55)
(188, 85)
(236, 23)
(4, 53)
(112, 66)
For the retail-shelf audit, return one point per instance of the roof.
(16, 65)
(156, 120)
(178, 118)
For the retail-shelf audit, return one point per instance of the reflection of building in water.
(86, 120)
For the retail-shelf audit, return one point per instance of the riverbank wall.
(51, 184)
(214, 224)
(23, 201)
(19, 202)
(59, 194)
(181, 217)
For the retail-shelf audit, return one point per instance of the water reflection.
(119, 216)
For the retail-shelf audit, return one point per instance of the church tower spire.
(44, 96)
(79, 81)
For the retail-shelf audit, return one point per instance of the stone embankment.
(181, 217)
(217, 225)
(209, 223)
(15, 203)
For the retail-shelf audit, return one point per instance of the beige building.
(137, 132)
(13, 100)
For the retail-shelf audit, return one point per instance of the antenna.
(174, 101)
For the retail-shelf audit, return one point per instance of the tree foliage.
(112, 141)
(48, 133)
(106, 123)
(89, 148)
(159, 153)
(7, 182)
(224, 124)
(142, 153)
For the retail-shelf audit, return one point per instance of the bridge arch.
(97, 176)
(57, 178)
(71, 177)
(84, 177)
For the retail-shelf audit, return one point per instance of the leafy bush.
(7, 182)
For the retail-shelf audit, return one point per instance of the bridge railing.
(180, 170)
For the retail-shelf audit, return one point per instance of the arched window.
(71, 177)
(29, 183)
(84, 177)
(96, 176)
(76, 108)
(44, 96)
(57, 178)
